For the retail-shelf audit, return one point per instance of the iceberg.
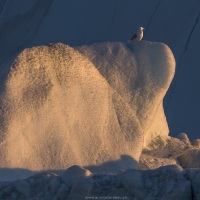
(95, 106)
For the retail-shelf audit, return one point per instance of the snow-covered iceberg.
(94, 106)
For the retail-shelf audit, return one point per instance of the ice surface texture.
(97, 108)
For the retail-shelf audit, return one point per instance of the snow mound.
(141, 74)
(96, 107)
(170, 182)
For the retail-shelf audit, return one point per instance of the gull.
(138, 35)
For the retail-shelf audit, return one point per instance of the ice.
(194, 176)
(169, 182)
(165, 147)
(190, 158)
(183, 137)
(152, 161)
(23, 187)
(162, 151)
(63, 112)
(25, 24)
(99, 105)
(96, 107)
(196, 143)
(73, 173)
(141, 75)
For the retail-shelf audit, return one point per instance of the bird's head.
(142, 29)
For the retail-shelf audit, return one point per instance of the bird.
(138, 35)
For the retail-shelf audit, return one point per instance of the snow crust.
(97, 108)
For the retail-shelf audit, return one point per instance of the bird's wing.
(134, 36)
